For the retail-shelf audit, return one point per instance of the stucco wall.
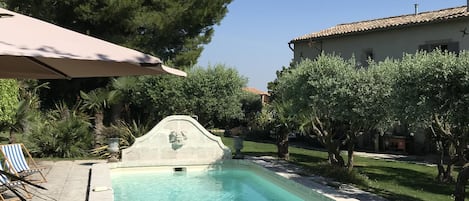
(389, 43)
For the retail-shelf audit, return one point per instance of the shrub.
(340, 174)
(61, 133)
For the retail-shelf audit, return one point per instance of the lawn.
(391, 179)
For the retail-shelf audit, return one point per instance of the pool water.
(226, 185)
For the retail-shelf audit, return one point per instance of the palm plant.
(19, 120)
(283, 120)
(27, 106)
(127, 132)
(64, 132)
(120, 95)
(96, 101)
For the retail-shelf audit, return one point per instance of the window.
(443, 46)
(367, 55)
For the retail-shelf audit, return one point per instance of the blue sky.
(253, 37)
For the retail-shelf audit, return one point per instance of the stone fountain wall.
(177, 140)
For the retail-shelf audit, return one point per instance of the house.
(264, 96)
(447, 29)
(391, 37)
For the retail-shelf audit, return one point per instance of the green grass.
(391, 179)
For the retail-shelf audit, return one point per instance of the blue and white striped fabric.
(14, 154)
(3, 178)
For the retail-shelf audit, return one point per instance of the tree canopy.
(338, 100)
(172, 30)
(432, 92)
(8, 101)
(213, 94)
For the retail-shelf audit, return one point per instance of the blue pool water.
(226, 185)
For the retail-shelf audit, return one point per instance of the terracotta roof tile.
(255, 91)
(388, 23)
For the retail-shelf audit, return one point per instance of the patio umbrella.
(34, 49)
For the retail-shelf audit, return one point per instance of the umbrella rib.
(50, 68)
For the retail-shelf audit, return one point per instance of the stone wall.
(175, 141)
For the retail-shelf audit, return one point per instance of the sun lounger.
(14, 186)
(16, 161)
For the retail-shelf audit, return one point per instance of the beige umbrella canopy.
(34, 49)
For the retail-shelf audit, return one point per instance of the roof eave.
(376, 30)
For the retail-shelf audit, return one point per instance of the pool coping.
(337, 191)
(100, 181)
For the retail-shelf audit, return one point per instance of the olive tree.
(336, 101)
(314, 88)
(367, 103)
(213, 94)
(432, 91)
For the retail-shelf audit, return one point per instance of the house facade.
(378, 39)
(447, 29)
(264, 96)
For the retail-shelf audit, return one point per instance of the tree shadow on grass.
(294, 157)
(416, 180)
(392, 195)
(303, 158)
(262, 153)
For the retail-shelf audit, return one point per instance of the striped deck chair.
(13, 186)
(16, 161)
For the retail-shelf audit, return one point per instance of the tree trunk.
(444, 175)
(440, 165)
(333, 150)
(282, 145)
(460, 192)
(351, 148)
(98, 128)
(460, 148)
(334, 157)
(12, 139)
(340, 159)
(116, 111)
(447, 176)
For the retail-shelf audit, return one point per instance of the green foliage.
(334, 100)
(98, 99)
(113, 131)
(64, 132)
(433, 83)
(156, 97)
(340, 174)
(9, 101)
(431, 91)
(175, 31)
(335, 89)
(172, 30)
(126, 132)
(214, 94)
(251, 105)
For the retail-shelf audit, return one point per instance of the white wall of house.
(389, 43)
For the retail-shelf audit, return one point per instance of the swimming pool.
(226, 182)
(240, 185)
